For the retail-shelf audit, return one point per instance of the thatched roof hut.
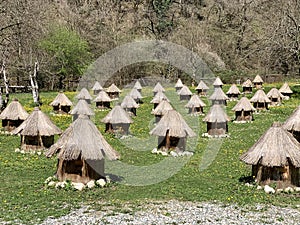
(158, 98)
(275, 96)
(81, 108)
(97, 88)
(136, 95)
(218, 83)
(292, 124)
(138, 86)
(185, 93)
(260, 100)
(81, 152)
(84, 94)
(172, 131)
(195, 105)
(130, 105)
(113, 91)
(102, 100)
(275, 157)
(286, 90)
(61, 103)
(218, 97)
(158, 88)
(37, 131)
(202, 88)
(117, 121)
(13, 115)
(233, 92)
(258, 81)
(243, 110)
(161, 109)
(178, 85)
(247, 86)
(216, 120)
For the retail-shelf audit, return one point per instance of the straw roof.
(37, 123)
(247, 83)
(117, 115)
(258, 79)
(61, 99)
(293, 122)
(14, 111)
(218, 82)
(275, 148)
(97, 87)
(162, 108)
(285, 89)
(82, 139)
(243, 105)
(159, 97)
(137, 85)
(179, 83)
(158, 88)
(113, 88)
(216, 114)
(102, 97)
(233, 90)
(82, 108)
(135, 94)
(218, 95)
(185, 91)
(274, 93)
(195, 101)
(173, 122)
(202, 86)
(260, 96)
(84, 94)
(128, 102)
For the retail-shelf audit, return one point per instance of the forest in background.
(236, 38)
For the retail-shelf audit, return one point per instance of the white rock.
(297, 189)
(101, 182)
(22, 151)
(187, 153)
(249, 185)
(279, 190)
(60, 184)
(174, 154)
(154, 150)
(17, 150)
(288, 190)
(78, 186)
(51, 183)
(108, 180)
(259, 187)
(164, 153)
(269, 189)
(39, 153)
(91, 184)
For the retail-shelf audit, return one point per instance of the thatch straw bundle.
(102, 97)
(285, 89)
(81, 108)
(258, 81)
(129, 102)
(218, 83)
(138, 86)
(117, 116)
(233, 92)
(243, 110)
(158, 88)
(292, 124)
(202, 88)
(61, 103)
(136, 95)
(158, 98)
(178, 85)
(14, 111)
(218, 97)
(275, 96)
(113, 88)
(260, 100)
(84, 94)
(195, 105)
(97, 88)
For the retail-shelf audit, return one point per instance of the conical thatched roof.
(113, 88)
(102, 97)
(218, 82)
(285, 89)
(116, 116)
(216, 114)
(14, 111)
(274, 93)
(137, 85)
(158, 88)
(82, 139)
(82, 108)
(128, 102)
(258, 79)
(185, 91)
(97, 87)
(173, 122)
(233, 90)
(260, 96)
(162, 108)
(135, 94)
(84, 94)
(195, 101)
(179, 83)
(247, 83)
(202, 86)
(218, 95)
(37, 123)
(275, 148)
(159, 97)
(243, 105)
(61, 99)
(293, 122)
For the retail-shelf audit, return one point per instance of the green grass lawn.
(210, 174)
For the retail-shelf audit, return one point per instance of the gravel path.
(175, 212)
